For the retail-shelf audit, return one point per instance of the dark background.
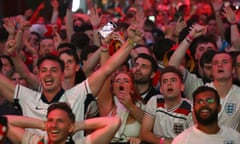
(14, 7)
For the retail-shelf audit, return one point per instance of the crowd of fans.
(142, 71)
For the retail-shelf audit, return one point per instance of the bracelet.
(161, 140)
(189, 36)
(131, 43)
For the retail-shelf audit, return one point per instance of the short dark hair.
(80, 39)
(206, 58)
(223, 52)
(64, 107)
(8, 59)
(71, 53)
(234, 55)
(52, 58)
(69, 45)
(202, 89)
(171, 69)
(202, 40)
(149, 58)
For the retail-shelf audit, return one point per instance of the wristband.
(190, 37)
(161, 140)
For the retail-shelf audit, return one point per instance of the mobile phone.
(151, 18)
(107, 29)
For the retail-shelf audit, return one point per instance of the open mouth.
(48, 81)
(55, 132)
(170, 90)
(121, 88)
(205, 112)
(220, 71)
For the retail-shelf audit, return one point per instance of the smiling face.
(50, 75)
(171, 86)
(58, 126)
(122, 82)
(206, 108)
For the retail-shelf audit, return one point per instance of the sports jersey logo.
(229, 142)
(230, 108)
(178, 128)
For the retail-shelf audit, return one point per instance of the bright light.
(75, 5)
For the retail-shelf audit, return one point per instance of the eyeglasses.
(207, 101)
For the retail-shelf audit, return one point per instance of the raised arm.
(69, 24)
(95, 21)
(20, 66)
(9, 25)
(105, 128)
(235, 35)
(179, 53)
(216, 8)
(7, 87)
(97, 79)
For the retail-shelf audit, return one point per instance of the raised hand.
(216, 4)
(117, 36)
(135, 34)
(197, 30)
(57, 39)
(11, 47)
(94, 17)
(229, 14)
(180, 25)
(9, 24)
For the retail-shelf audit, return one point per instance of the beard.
(140, 79)
(212, 118)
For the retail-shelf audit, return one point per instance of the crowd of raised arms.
(124, 72)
